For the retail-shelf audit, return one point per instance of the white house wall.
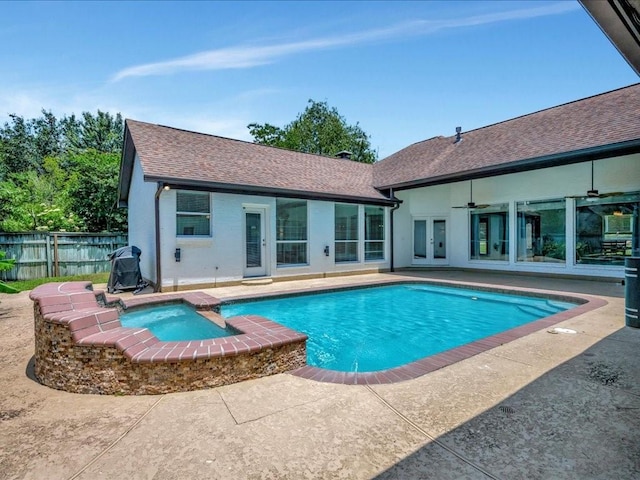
(620, 174)
(141, 220)
(220, 257)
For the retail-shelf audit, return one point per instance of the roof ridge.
(246, 142)
(579, 100)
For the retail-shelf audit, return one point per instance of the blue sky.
(405, 71)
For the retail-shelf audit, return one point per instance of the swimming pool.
(175, 322)
(379, 328)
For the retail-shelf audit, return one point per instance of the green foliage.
(582, 249)
(102, 132)
(6, 263)
(321, 130)
(33, 202)
(267, 134)
(18, 151)
(553, 249)
(93, 191)
(61, 175)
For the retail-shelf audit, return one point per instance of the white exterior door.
(430, 244)
(255, 242)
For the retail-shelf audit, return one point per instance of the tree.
(61, 174)
(31, 201)
(102, 132)
(320, 129)
(93, 191)
(18, 152)
(24, 144)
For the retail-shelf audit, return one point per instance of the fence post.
(56, 268)
(47, 253)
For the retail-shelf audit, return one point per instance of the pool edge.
(585, 303)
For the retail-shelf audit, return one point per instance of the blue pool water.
(177, 322)
(370, 329)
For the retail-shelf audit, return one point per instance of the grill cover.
(125, 270)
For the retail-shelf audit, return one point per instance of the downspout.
(158, 284)
(393, 209)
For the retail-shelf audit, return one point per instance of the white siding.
(621, 174)
(220, 258)
(142, 221)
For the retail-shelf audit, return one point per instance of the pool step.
(258, 281)
(539, 310)
(213, 317)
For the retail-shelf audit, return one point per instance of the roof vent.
(344, 154)
(458, 134)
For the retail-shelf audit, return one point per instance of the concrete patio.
(546, 406)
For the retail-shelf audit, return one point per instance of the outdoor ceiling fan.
(471, 203)
(594, 193)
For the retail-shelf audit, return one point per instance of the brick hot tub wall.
(81, 346)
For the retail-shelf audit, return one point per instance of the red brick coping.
(77, 307)
(85, 315)
(449, 357)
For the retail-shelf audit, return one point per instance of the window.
(346, 233)
(373, 233)
(605, 229)
(193, 214)
(541, 231)
(291, 231)
(490, 233)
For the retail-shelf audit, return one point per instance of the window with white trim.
(291, 232)
(373, 233)
(489, 232)
(346, 233)
(541, 231)
(193, 213)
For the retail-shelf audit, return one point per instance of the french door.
(430, 241)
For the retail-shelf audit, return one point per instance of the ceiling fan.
(594, 193)
(471, 203)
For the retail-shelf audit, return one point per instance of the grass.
(22, 285)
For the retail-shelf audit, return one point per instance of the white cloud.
(253, 56)
(30, 103)
(231, 120)
(20, 103)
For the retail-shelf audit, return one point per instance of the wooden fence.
(57, 254)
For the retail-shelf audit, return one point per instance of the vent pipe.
(458, 134)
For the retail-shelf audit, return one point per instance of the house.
(552, 192)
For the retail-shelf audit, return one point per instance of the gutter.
(158, 285)
(393, 209)
(205, 186)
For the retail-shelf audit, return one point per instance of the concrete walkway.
(546, 406)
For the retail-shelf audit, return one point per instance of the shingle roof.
(189, 158)
(607, 119)
(603, 125)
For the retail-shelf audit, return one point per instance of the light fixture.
(166, 187)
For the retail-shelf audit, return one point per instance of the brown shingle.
(605, 119)
(181, 156)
